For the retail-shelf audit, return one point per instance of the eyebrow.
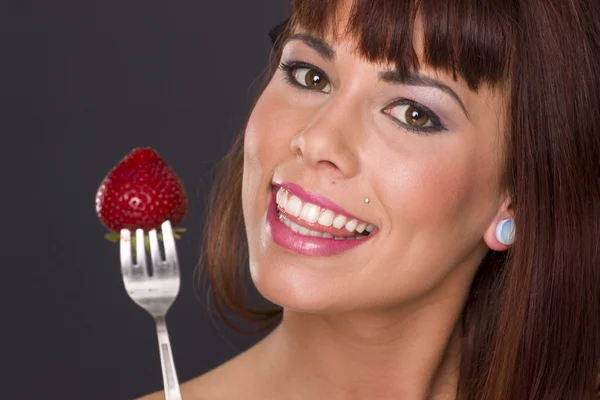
(415, 79)
(394, 77)
(320, 46)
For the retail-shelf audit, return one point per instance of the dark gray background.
(81, 84)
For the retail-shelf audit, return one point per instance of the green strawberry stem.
(115, 237)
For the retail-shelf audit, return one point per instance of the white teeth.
(310, 213)
(339, 221)
(282, 196)
(305, 210)
(299, 229)
(360, 228)
(304, 231)
(326, 218)
(351, 225)
(293, 206)
(295, 227)
(328, 235)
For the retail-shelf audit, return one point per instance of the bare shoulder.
(234, 379)
(196, 389)
(203, 387)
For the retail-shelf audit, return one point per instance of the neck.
(410, 354)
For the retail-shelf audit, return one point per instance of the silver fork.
(155, 293)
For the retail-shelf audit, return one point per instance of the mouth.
(310, 219)
(309, 224)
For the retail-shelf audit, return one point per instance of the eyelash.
(437, 125)
(290, 67)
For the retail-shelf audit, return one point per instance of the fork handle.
(170, 382)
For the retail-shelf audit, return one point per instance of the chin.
(295, 287)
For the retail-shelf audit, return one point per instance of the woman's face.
(331, 130)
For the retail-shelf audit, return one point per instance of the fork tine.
(169, 244)
(154, 250)
(126, 260)
(155, 292)
(140, 250)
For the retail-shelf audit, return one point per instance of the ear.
(504, 212)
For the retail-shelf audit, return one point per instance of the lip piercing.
(367, 200)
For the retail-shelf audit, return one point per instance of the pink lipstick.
(303, 244)
(313, 198)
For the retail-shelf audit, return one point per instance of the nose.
(328, 141)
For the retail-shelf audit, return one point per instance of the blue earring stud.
(505, 232)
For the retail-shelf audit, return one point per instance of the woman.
(420, 191)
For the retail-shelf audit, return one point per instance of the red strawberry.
(142, 191)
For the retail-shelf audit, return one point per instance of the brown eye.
(411, 116)
(416, 117)
(312, 79)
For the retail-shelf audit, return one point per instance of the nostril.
(326, 164)
(323, 150)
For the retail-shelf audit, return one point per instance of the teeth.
(285, 221)
(339, 221)
(351, 225)
(299, 229)
(360, 228)
(312, 213)
(295, 227)
(282, 196)
(293, 206)
(326, 218)
(304, 231)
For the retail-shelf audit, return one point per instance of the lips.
(313, 225)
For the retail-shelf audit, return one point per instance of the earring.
(367, 200)
(505, 231)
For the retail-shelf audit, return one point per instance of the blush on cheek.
(431, 191)
(267, 124)
(251, 144)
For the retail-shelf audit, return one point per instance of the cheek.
(440, 187)
(265, 136)
(438, 207)
(265, 145)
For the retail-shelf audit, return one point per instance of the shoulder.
(196, 389)
(217, 383)
(200, 388)
(210, 386)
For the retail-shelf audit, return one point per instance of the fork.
(154, 292)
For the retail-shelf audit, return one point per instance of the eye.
(413, 116)
(311, 78)
(306, 76)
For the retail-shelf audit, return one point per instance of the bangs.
(471, 39)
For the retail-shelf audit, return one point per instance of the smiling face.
(332, 129)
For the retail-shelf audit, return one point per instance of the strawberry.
(142, 191)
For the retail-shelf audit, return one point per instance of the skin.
(378, 321)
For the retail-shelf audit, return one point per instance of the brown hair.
(531, 322)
